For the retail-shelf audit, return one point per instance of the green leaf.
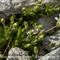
(36, 50)
(27, 45)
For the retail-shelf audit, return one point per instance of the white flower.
(23, 8)
(56, 18)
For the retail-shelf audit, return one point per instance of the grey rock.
(17, 54)
(54, 55)
(8, 7)
(41, 52)
(13, 6)
(52, 42)
(48, 21)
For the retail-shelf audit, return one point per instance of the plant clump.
(23, 31)
(21, 35)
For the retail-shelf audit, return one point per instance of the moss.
(24, 31)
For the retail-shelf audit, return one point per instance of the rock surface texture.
(48, 21)
(52, 42)
(54, 55)
(17, 54)
(13, 6)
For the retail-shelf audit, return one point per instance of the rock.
(13, 6)
(48, 21)
(42, 52)
(17, 54)
(52, 42)
(47, 1)
(54, 55)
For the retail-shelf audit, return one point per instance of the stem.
(7, 46)
(50, 29)
(47, 30)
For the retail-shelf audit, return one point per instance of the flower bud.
(41, 37)
(23, 8)
(30, 32)
(36, 7)
(27, 45)
(15, 25)
(58, 24)
(40, 26)
(2, 20)
(12, 18)
(36, 50)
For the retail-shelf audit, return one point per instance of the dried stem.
(7, 46)
(50, 29)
